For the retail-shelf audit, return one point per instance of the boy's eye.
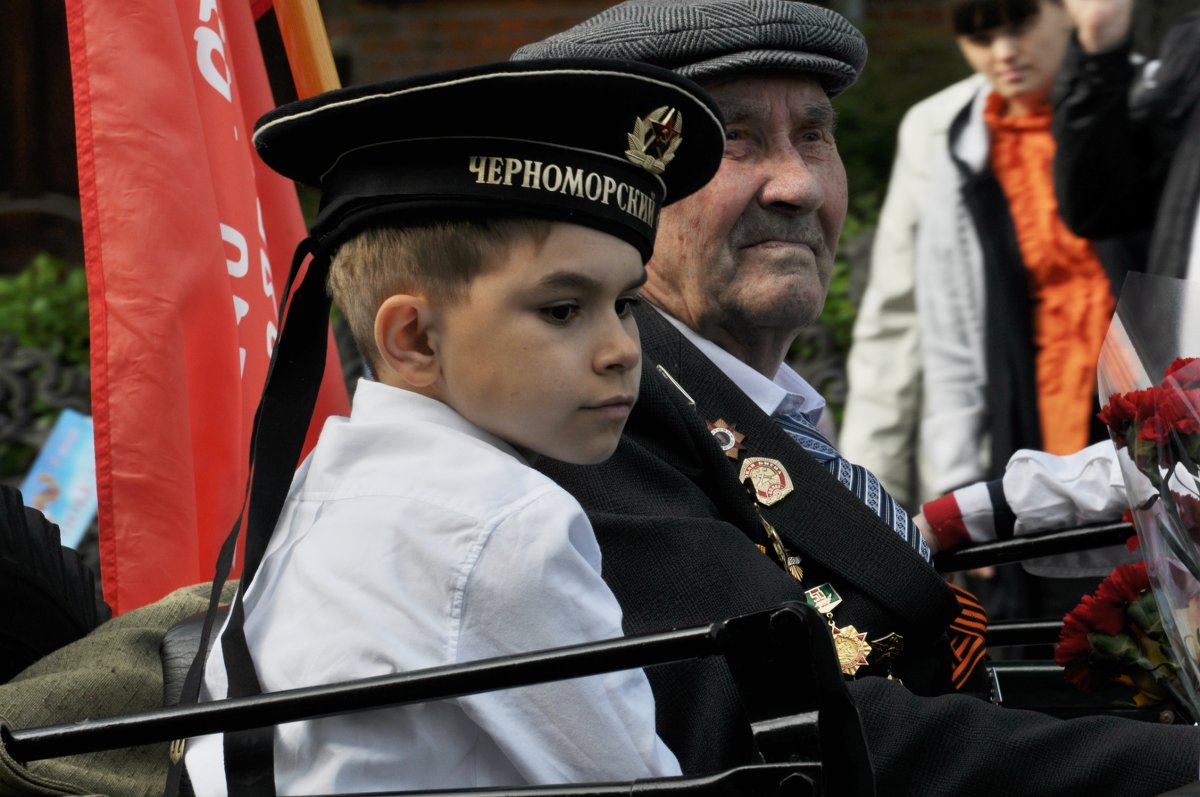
(560, 313)
(626, 304)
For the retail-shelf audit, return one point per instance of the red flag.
(188, 238)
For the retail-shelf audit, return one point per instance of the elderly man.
(739, 268)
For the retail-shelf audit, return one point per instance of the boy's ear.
(402, 328)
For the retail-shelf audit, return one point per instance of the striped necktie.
(855, 478)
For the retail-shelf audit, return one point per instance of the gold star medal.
(728, 438)
(768, 476)
(852, 648)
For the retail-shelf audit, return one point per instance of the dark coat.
(678, 536)
(1128, 156)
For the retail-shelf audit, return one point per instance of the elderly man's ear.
(406, 341)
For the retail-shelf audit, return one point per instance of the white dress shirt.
(786, 394)
(413, 539)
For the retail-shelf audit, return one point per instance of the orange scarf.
(1069, 291)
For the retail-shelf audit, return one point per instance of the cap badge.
(770, 479)
(655, 138)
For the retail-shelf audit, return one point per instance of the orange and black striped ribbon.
(967, 636)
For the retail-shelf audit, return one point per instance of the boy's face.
(543, 351)
(1021, 61)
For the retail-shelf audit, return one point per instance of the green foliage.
(904, 67)
(15, 460)
(840, 310)
(45, 307)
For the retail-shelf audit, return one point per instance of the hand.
(1100, 24)
(927, 533)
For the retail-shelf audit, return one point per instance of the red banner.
(188, 238)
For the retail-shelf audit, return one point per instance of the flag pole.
(307, 44)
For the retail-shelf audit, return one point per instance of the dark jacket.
(678, 537)
(1128, 138)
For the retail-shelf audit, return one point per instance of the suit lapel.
(822, 519)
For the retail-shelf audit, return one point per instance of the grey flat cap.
(709, 39)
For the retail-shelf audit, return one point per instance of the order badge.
(770, 479)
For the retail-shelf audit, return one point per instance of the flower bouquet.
(1114, 641)
(1151, 406)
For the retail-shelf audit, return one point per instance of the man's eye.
(560, 313)
(733, 135)
(626, 304)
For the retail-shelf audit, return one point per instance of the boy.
(486, 257)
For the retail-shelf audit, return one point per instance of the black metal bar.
(360, 695)
(1032, 546)
(781, 779)
(1023, 632)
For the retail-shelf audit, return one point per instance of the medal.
(887, 650)
(175, 751)
(728, 438)
(790, 561)
(823, 598)
(851, 646)
(768, 482)
(768, 476)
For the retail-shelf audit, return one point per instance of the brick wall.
(380, 39)
(912, 54)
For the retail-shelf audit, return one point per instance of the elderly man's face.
(751, 253)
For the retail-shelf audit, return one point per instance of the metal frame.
(791, 638)
(1032, 546)
(815, 719)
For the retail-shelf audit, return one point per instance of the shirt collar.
(375, 401)
(787, 394)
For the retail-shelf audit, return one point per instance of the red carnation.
(1178, 410)
(1184, 371)
(1118, 415)
(1119, 410)
(1073, 652)
(1123, 585)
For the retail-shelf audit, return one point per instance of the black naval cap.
(601, 143)
(709, 40)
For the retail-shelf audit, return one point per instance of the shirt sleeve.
(1039, 492)
(535, 585)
